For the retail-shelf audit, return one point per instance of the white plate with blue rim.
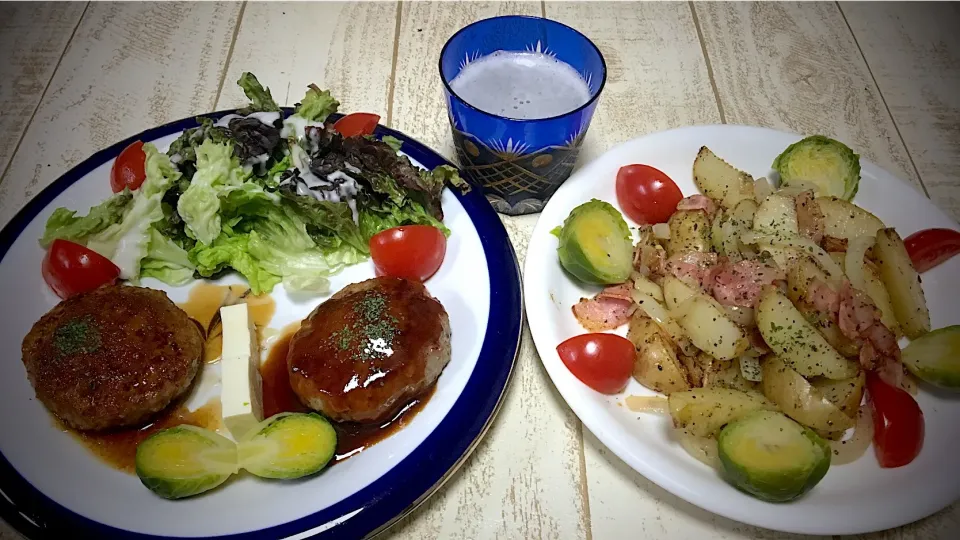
(855, 498)
(52, 486)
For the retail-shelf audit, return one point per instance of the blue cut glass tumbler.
(519, 163)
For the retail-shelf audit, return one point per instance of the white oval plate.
(855, 498)
(51, 486)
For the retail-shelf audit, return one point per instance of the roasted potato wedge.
(799, 399)
(842, 219)
(727, 374)
(704, 321)
(728, 225)
(845, 393)
(796, 341)
(902, 283)
(719, 180)
(705, 371)
(704, 411)
(784, 257)
(689, 231)
(656, 365)
(777, 216)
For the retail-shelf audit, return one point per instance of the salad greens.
(276, 199)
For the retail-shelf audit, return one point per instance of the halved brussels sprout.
(595, 244)
(828, 166)
(772, 457)
(288, 445)
(184, 461)
(935, 357)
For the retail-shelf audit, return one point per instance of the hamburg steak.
(369, 349)
(112, 357)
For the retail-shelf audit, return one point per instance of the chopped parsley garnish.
(77, 336)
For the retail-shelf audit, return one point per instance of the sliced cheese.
(241, 398)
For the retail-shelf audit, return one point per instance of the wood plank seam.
(43, 94)
(393, 64)
(883, 100)
(706, 59)
(585, 486)
(226, 63)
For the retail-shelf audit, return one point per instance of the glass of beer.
(520, 94)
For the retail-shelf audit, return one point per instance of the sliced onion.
(795, 188)
(644, 285)
(655, 310)
(853, 261)
(743, 316)
(661, 231)
(762, 189)
(703, 449)
(647, 404)
(802, 244)
(851, 449)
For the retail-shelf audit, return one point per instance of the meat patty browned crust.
(369, 349)
(112, 357)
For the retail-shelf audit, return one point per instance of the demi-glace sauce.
(203, 306)
(118, 448)
(352, 438)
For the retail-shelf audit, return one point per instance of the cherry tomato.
(357, 124)
(646, 194)
(129, 169)
(930, 247)
(603, 362)
(409, 251)
(70, 269)
(897, 423)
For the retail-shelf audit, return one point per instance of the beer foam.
(522, 85)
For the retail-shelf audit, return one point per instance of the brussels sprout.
(828, 166)
(772, 457)
(288, 445)
(935, 357)
(185, 460)
(595, 244)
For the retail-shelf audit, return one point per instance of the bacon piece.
(698, 202)
(619, 292)
(612, 307)
(809, 216)
(694, 268)
(823, 298)
(860, 320)
(741, 283)
(857, 311)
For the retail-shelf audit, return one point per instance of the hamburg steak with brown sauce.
(369, 349)
(112, 357)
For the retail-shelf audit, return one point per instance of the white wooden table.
(885, 78)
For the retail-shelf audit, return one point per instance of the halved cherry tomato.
(409, 251)
(70, 269)
(603, 362)
(129, 169)
(357, 124)
(898, 425)
(931, 247)
(646, 194)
